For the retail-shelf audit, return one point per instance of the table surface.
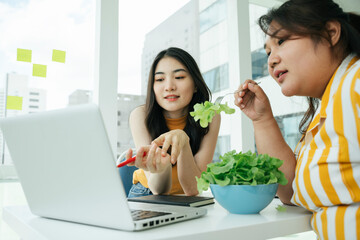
(217, 224)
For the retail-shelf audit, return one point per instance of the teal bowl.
(244, 199)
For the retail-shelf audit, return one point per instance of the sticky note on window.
(39, 70)
(24, 55)
(14, 102)
(58, 56)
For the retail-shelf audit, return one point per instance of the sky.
(69, 25)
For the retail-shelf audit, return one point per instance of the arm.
(189, 165)
(254, 103)
(157, 167)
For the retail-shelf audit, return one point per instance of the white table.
(217, 224)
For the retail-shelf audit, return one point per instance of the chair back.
(126, 173)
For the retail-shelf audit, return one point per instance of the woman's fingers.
(156, 162)
(160, 140)
(163, 141)
(151, 162)
(159, 162)
(249, 90)
(140, 158)
(240, 93)
(175, 151)
(157, 157)
(129, 153)
(166, 145)
(176, 139)
(179, 140)
(258, 92)
(248, 97)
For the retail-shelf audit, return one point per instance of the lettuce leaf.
(204, 112)
(242, 169)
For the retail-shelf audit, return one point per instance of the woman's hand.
(177, 139)
(153, 161)
(252, 101)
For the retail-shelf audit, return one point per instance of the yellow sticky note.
(39, 70)
(58, 56)
(24, 55)
(14, 102)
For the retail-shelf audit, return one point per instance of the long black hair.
(155, 120)
(309, 18)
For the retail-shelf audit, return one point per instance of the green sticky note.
(14, 102)
(39, 70)
(24, 55)
(58, 56)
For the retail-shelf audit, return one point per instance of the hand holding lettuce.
(207, 110)
(242, 169)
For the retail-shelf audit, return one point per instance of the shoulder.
(138, 111)
(346, 78)
(138, 114)
(345, 92)
(352, 78)
(354, 69)
(352, 72)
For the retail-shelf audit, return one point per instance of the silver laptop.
(68, 171)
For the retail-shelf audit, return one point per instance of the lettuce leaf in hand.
(207, 110)
(242, 169)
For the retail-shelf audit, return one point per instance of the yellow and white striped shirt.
(327, 177)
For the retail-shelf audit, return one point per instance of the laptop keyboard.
(143, 214)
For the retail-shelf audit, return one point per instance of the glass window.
(222, 147)
(47, 54)
(212, 15)
(126, 103)
(217, 79)
(259, 63)
(258, 54)
(288, 111)
(215, 58)
(289, 126)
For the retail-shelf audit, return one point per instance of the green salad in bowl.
(242, 169)
(243, 183)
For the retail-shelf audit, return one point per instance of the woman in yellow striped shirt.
(313, 50)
